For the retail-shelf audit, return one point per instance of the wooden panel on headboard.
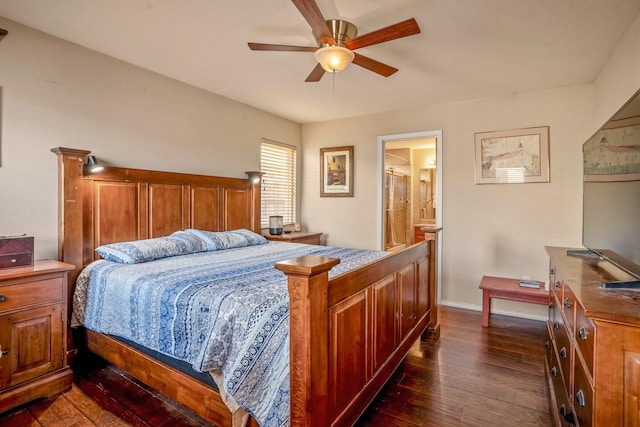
(237, 208)
(168, 209)
(204, 201)
(120, 204)
(116, 213)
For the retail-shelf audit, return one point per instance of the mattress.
(222, 310)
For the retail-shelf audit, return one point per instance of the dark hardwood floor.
(473, 376)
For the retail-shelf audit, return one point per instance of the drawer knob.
(4, 353)
(3, 298)
(563, 352)
(547, 344)
(582, 333)
(567, 303)
(568, 416)
(558, 283)
(580, 398)
(554, 371)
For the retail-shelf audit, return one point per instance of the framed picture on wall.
(512, 156)
(336, 172)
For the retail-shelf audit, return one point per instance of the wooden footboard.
(349, 334)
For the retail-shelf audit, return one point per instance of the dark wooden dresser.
(33, 333)
(593, 347)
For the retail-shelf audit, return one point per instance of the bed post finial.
(70, 200)
(255, 180)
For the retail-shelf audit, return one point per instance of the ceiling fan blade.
(311, 13)
(373, 65)
(392, 32)
(316, 74)
(281, 47)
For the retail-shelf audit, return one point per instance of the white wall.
(56, 93)
(488, 229)
(620, 77)
(59, 94)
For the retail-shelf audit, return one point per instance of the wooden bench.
(509, 289)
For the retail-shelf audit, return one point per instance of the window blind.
(278, 164)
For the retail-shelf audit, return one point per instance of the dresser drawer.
(565, 411)
(549, 345)
(553, 307)
(556, 287)
(568, 304)
(582, 396)
(585, 338)
(30, 293)
(564, 348)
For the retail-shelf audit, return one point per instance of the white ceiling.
(467, 48)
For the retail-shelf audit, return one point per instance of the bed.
(347, 333)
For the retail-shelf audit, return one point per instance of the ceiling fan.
(337, 40)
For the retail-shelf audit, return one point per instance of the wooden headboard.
(119, 204)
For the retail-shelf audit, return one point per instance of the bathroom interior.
(410, 191)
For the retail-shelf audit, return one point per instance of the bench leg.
(486, 308)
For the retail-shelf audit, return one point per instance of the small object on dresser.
(16, 251)
(275, 225)
(530, 284)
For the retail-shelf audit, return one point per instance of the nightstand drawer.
(31, 293)
(307, 237)
(309, 240)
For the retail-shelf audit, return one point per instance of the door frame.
(382, 140)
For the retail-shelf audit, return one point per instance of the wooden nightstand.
(297, 237)
(33, 333)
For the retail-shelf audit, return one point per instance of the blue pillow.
(179, 243)
(219, 240)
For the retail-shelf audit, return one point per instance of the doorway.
(417, 157)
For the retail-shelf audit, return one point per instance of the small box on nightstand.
(16, 251)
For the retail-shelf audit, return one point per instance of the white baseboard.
(473, 307)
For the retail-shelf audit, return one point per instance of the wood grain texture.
(472, 377)
(33, 362)
(127, 204)
(594, 344)
(332, 326)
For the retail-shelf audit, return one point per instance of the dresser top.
(39, 267)
(585, 275)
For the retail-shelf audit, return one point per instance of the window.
(278, 163)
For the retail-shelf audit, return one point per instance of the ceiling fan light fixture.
(334, 58)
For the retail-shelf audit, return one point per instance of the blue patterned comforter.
(226, 310)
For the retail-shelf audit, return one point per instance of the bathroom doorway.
(409, 189)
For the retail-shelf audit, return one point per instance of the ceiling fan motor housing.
(340, 30)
